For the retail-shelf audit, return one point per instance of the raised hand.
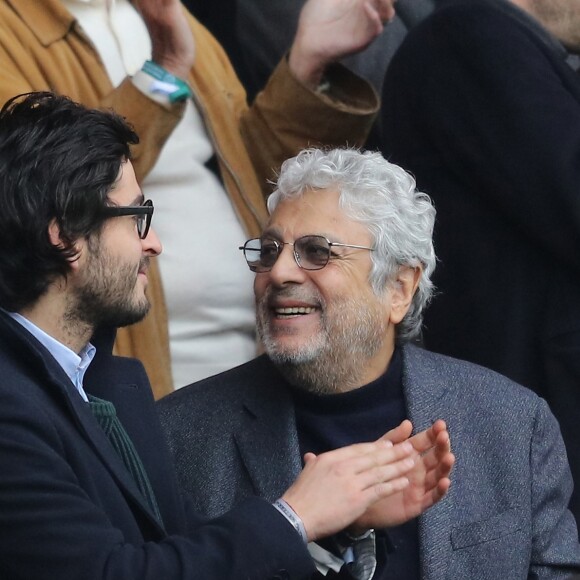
(336, 488)
(428, 479)
(173, 45)
(329, 30)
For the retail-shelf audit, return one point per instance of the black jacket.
(69, 508)
(480, 105)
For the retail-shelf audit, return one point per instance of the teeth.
(296, 310)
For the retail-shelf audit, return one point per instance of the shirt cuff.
(293, 518)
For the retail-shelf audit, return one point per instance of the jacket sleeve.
(287, 117)
(555, 536)
(153, 122)
(51, 526)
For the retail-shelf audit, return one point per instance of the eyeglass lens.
(144, 221)
(311, 253)
(141, 223)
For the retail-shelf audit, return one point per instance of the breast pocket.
(493, 528)
(496, 548)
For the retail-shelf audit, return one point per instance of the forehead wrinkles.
(310, 211)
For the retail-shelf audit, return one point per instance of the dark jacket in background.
(481, 106)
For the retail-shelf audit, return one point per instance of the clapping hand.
(337, 487)
(428, 479)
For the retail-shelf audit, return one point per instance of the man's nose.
(151, 244)
(286, 269)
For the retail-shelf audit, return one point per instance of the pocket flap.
(492, 528)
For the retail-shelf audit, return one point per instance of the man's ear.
(54, 234)
(402, 291)
(56, 240)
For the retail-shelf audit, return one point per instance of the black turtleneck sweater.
(327, 422)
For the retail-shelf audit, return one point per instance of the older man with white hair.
(342, 276)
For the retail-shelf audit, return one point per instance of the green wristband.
(175, 88)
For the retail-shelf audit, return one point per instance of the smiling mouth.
(294, 311)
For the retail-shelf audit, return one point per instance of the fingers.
(436, 494)
(433, 467)
(366, 457)
(390, 487)
(432, 444)
(380, 12)
(439, 470)
(358, 450)
(390, 470)
(375, 22)
(426, 439)
(386, 10)
(309, 457)
(382, 470)
(335, 488)
(400, 433)
(433, 459)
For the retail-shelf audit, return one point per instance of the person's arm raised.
(329, 30)
(173, 45)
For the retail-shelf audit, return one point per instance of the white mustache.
(300, 294)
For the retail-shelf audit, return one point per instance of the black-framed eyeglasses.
(310, 252)
(143, 214)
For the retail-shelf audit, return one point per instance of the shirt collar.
(73, 364)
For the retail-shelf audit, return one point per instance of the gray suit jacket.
(505, 516)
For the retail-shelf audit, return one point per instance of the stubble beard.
(333, 360)
(107, 296)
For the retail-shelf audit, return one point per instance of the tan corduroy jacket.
(42, 48)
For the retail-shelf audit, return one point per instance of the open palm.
(428, 480)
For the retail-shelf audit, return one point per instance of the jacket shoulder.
(464, 379)
(230, 388)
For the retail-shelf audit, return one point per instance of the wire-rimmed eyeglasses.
(310, 252)
(143, 214)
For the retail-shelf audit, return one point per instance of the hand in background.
(173, 45)
(329, 30)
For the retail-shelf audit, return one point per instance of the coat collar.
(52, 379)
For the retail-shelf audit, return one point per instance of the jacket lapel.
(267, 439)
(425, 389)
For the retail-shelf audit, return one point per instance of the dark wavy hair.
(58, 161)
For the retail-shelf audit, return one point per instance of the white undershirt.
(207, 285)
